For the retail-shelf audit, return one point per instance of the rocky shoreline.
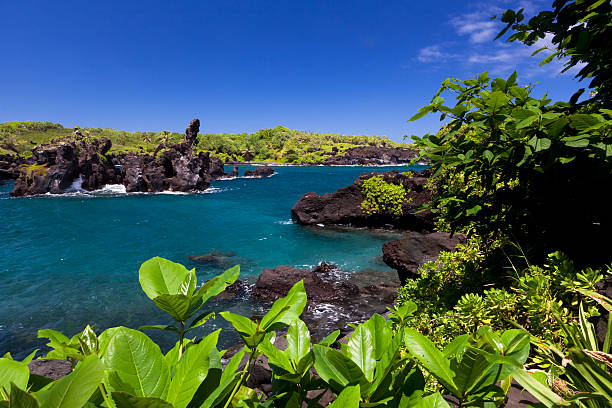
(55, 167)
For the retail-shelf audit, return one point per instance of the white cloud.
(433, 53)
(478, 26)
(476, 50)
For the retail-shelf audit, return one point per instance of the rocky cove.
(332, 245)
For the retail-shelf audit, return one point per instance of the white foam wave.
(285, 222)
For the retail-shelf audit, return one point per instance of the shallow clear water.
(70, 261)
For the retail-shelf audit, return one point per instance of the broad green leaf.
(581, 121)
(218, 284)
(471, 372)
(287, 309)
(137, 364)
(178, 306)
(30, 357)
(191, 371)
(576, 141)
(431, 401)
(201, 319)
(348, 398)
(336, 369)
(125, 400)
(104, 339)
(220, 391)
(172, 356)
(76, 388)
(330, 338)
(422, 112)
(516, 344)
(21, 399)
(298, 340)
(159, 276)
(457, 347)
(496, 100)
(431, 358)
(360, 349)
(56, 339)
(12, 371)
(88, 341)
(538, 390)
(381, 334)
(243, 325)
(278, 360)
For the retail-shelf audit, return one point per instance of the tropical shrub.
(455, 295)
(515, 165)
(382, 363)
(382, 197)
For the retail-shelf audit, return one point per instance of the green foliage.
(579, 31)
(452, 298)
(511, 165)
(173, 289)
(380, 364)
(471, 366)
(278, 144)
(382, 197)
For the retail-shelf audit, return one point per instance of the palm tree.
(147, 138)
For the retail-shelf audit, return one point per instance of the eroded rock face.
(373, 155)
(260, 172)
(10, 166)
(216, 168)
(191, 133)
(407, 254)
(55, 166)
(344, 206)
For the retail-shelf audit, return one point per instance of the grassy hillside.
(279, 144)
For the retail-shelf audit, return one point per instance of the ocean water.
(68, 261)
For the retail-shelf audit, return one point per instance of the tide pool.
(68, 261)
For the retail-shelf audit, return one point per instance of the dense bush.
(459, 292)
(279, 144)
(382, 197)
(382, 363)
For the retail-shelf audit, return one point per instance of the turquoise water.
(70, 261)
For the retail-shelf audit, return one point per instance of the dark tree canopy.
(581, 32)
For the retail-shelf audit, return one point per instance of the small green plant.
(382, 197)
(173, 289)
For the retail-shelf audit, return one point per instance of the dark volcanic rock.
(216, 168)
(55, 166)
(53, 369)
(191, 133)
(10, 166)
(372, 155)
(233, 173)
(344, 206)
(333, 302)
(260, 172)
(407, 254)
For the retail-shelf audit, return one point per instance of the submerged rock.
(407, 254)
(260, 172)
(344, 206)
(219, 259)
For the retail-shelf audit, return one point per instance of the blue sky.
(352, 67)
